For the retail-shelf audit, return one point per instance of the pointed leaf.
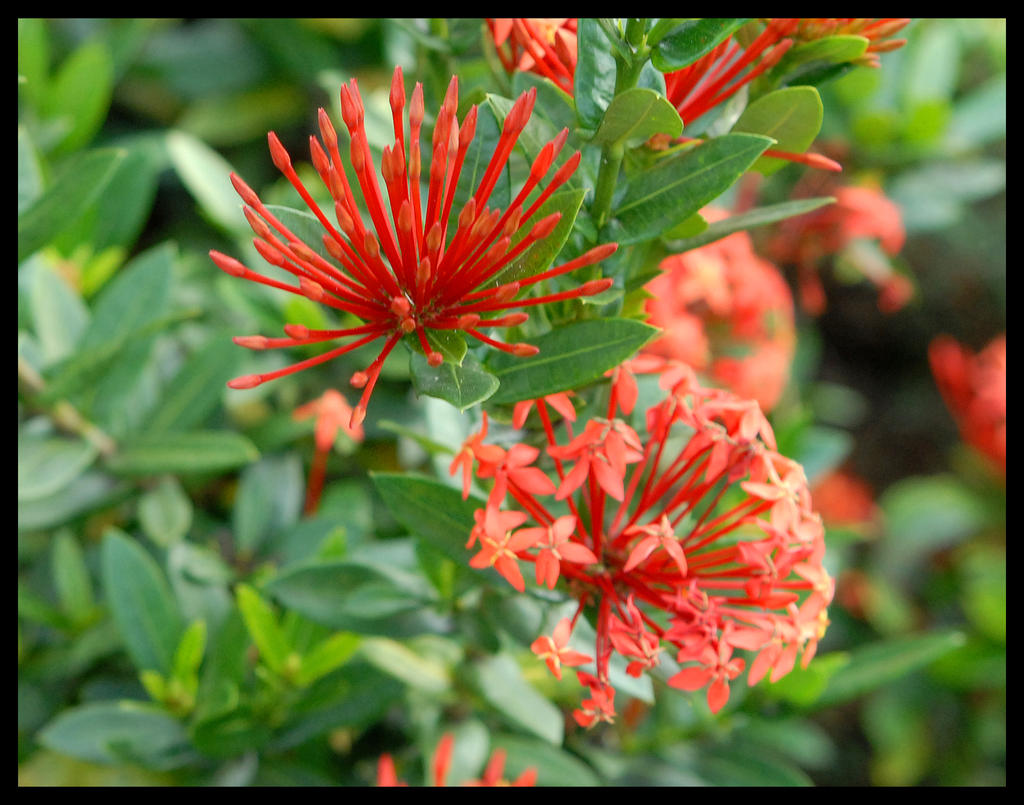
(569, 357)
(463, 386)
(760, 216)
(688, 40)
(791, 116)
(594, 80)
(499, 680)
(181, 453)
(636, 115)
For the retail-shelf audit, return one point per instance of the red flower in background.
(861, 218)
(441, 762)
(333, 413)
(974, 388)
(843, 498)
(546, 47)
(717, 534)
(728, 312)
(410, 273)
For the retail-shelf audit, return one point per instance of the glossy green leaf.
(59, 317)
(102, 732)
(138, 296)
(791, 116)
(830, 50)
(463, 386)
(569, 357)
(88, 492)
(688, 40)
(327, 656)
(47, 464)
(206, 175)
(71, 577)
(555, 766)
(196, 391)
(636, 115)
(677, 186)
(348, 594)
(78, 96)
(264, 628)
(141, 603)
(30, 171)
(188, 452)
(759, 216)
(870, 667)
(189, 654)
(80, 182)
(499, 680)
(594, 80)
(541, 254)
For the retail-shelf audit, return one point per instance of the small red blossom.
(554, 650)
(546, 47)
(441, 762)
(500, 547)
(974, 388)
(421, 266)
(333, 413)
(472, 450)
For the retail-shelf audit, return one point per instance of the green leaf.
(269, 499)
(829, 50)
(47, 464)
(569, 357)
(348, 594)
(79, 94)
(182, 453)
(463, 386)
(870, 667)
(404, 664)
(136, 298)
(80, 182)
(189, 654)
(327, 656)
(71, 577)
(100, 732)
(688, 40)
(499, 680)
(30, 171)
(198, 387)
(59, 317)
(88, 492)
(677, 186)
(541, 254)
(555, 766)
(165, 512)
(141, 602)
(430, 509)
(594, 81)
(306, 227)
(264, 628)
(636, 115)
(206, 175)
(792, 116)
(760, 216)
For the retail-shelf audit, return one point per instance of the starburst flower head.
(415, 267)
(689, 534)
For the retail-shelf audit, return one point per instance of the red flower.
(499, 546)
(441, 762)
(974, 388)
(554, 651)
(543, 46)
(409, 273)
(701, 519)
(728, 312)
(332, 413)
(860, 214)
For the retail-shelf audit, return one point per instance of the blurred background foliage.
(180, 622)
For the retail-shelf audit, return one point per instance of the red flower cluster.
(441, 762)
(699, 538)
(974, 388)
(859, 214)
(546, 47)
(725, 310)
(408, 272)
(843, 498)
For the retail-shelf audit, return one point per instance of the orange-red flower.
(441, 762)
(538, 45)
(555, 651)
(974, 388)
(333, 413)
(727, 312)
(861, 214)
(700, 519)
(419, 266)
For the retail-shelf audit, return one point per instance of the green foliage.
(185, 616)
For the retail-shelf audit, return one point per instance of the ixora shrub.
(539, 269)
